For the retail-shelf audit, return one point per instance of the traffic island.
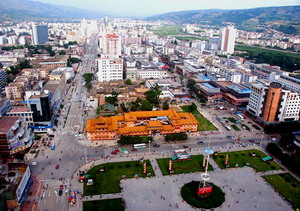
(208, 198)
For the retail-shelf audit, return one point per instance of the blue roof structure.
(203, 77)
(208, 85)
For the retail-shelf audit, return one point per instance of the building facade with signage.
(15, 136)
(140, 123)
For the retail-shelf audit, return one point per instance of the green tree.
(113, 99)
(88, 77)
(124, 108)
(152, 95)
(165, 105)
(146, 106)
(69, 63)
(193, 107)
(62, 52)
(88, 85)
(128, 82)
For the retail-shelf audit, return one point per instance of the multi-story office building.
(109, 69)
(227, 36)
(39, 34)
(273, 103)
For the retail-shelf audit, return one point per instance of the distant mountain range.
(286, 19)
(34, 10)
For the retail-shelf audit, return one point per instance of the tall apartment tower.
(39, 34)
(227, 36)
(272, 103)
(110, 45)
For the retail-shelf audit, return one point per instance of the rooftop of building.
(141, 122)
(19, 109)
(7, 122)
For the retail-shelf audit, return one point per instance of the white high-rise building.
(39, 34)
(110, 44)
(227, 36)
(109, 69)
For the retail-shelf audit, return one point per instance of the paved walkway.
(75, 185)
(155, 167)
(102, 197)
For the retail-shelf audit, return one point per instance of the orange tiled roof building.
(140, 123)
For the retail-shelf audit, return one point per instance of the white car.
(34, 163)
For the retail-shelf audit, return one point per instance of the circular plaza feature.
(189, 193)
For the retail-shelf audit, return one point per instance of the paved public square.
(244, 189)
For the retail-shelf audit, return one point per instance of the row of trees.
(287, 61)
(176, 137)
(282, 127)
(292, 161)
(151, 100)
(40, 49)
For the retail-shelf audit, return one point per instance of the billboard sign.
(21, 188)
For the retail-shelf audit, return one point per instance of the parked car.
(134, 150)
(185, 146)
(200, 142)
(34, 163)
(114, 153)
(60, 191)
(57, 166)
(251, 141)
(156, 145)
(256, 127)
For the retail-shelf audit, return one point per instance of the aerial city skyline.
(118, 105)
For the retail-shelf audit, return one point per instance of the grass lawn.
(167, 30)
(108, 181)
(287, 186)
(204, 124)
(246, 126)
(104, 205)
(243, 157)
(194, 165)
(189, 194)
(187, 109)
(235, 127)
(188, 38)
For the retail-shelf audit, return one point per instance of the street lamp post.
(149, 146)
(85, 155)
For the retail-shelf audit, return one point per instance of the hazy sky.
(151, 7)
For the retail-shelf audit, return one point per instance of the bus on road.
(139, 146)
